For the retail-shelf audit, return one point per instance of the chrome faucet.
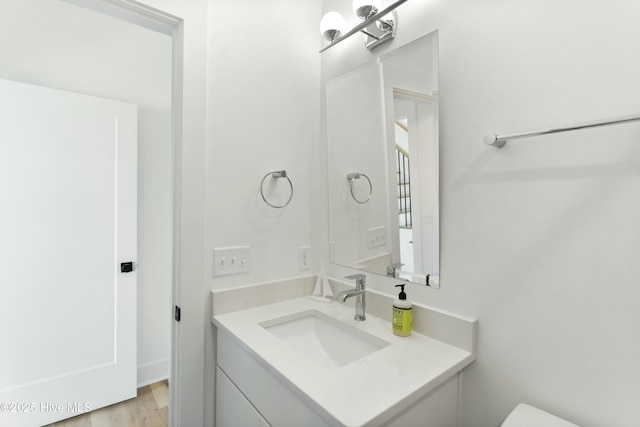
(358, 292)
(391, 269)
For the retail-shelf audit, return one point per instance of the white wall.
(262, 115)
(539, 239)
(59, 45)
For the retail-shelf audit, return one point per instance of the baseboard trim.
(153, 372)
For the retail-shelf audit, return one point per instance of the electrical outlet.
(376, 237)
(304, 258)
(233, 260)
(429, 217)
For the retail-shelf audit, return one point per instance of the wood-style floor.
(148, 409)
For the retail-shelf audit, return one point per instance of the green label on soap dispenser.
(402, 320)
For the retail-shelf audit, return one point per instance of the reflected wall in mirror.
(383, 177)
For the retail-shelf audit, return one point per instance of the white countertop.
(374, 388)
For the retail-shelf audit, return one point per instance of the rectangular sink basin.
(323, 339)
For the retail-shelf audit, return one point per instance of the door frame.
(173, 26)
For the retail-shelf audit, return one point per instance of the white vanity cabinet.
(267, 396)
(240, 377)
(264, 378)
(232, 408)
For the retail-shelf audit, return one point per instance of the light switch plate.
(376, 237)
(232, 260)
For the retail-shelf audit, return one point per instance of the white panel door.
(67, 221)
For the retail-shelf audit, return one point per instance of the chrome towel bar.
(501, 140)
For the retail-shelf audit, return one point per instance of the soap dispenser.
(402, 314)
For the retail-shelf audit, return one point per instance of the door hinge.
(177, 313)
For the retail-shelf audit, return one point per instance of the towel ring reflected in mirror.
(276, 175)
(356, 175)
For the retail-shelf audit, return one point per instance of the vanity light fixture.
(332, 26)
(378, 26)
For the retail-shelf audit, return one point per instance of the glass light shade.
(364, 8)
(332, 25)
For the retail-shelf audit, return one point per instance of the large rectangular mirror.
(383, 177)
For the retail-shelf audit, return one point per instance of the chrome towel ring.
(356, 175)
(276, 175)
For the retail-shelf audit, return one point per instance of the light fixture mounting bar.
(364, 24)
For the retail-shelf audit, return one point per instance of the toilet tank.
(527, 416)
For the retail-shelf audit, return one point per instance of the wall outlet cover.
(304, 258)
